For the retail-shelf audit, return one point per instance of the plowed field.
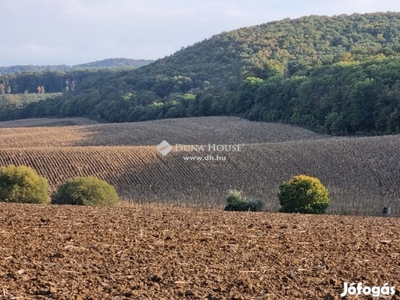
(165, 252)
(190, 131)
(38, 122)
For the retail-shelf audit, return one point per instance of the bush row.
(301, 194)
(24, 185)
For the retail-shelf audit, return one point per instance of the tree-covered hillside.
(51, 81)
(335, 74)
(114, 63)
(59, 78)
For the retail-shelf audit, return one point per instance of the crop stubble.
(202, 130)
(361, 174)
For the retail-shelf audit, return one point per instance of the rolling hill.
(106, 63)
(44, 122)
(362, 174)
(190, 131)
(337, 75)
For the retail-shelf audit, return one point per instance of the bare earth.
(152, 251)
(159, 251)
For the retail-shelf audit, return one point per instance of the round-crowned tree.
(85, 191)
(303, 194)
(22, 184)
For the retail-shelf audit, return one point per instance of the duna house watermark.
(360, 290)
(164, 148)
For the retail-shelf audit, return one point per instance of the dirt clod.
(148, 251)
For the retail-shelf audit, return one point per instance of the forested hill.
(106, 63)
(114, 63)
(324, 73)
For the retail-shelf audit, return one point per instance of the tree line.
(337, 75)
(101, 64)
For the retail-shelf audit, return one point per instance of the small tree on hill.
(303, 194)
(22, 184)
(85, 191)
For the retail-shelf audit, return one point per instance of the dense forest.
(338, 75)
(50, 81)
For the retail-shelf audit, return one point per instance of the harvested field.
(361, 174)
(159, 251)
(118, 165)
(220, 130)
(153, 251)
(35, 122)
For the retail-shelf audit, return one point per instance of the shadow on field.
(194, 131)
(361, 177)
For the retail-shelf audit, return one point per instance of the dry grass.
(220, 130)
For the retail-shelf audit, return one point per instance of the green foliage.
(113, 63)
(9, 101)
(22, 185)
(303, 194)
(85, 191)
(102, 64)
(255, 204)
(340, 99)
(236, 201)
(339, 75)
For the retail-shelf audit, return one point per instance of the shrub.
(255, 204)
(303, 194)
(235, 201)
(22, 184)
(85, 191)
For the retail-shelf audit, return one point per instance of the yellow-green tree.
(86, 191)
(303, 194)
(22, 184)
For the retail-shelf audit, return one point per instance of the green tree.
(335, 124)
(303, 194)
(22, 184)
(85, 191)
(248, 91)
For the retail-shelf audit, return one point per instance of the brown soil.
(151, 251)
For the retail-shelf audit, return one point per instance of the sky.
(50, 32)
